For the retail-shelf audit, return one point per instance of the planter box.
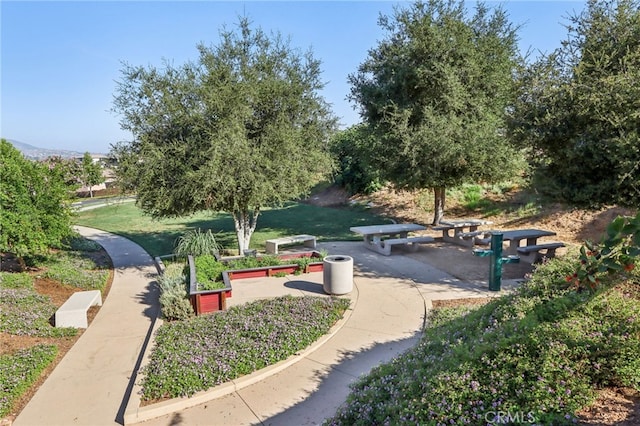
(206, 301)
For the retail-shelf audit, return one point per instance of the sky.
(61, 60)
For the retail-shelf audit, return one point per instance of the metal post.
(495, 266)
(496, 260)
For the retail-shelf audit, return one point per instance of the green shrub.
(20, 370)
(209, 272)
(197, 243)
(174, 297)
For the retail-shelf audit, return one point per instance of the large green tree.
(242, 128)
(435, 91)
(35, 211)
(578, 109)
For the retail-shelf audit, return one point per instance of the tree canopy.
(34, 203)
(242, 128)
(578, 108)
(435, 91)
(90, 173)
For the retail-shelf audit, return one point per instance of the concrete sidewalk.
(94, 384)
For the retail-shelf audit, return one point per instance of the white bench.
(411, 243)
(307, 240)
(73, 313)
(531, 254)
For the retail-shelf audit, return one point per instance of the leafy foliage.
(194, 355)
(75, 269)
(174, 297)
(435, 91)
(538, 353)
(616, 254)
(20, 370)
(578, 108)
(90, 173)
(355, 171)
(34, 202)
(196, 243)
(209, 272)
(242, 128)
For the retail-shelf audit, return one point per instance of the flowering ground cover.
(199, 353)
(29, 342)
(534, 357)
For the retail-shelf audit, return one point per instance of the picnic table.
(380, 238)
(464, 231)
(515, 238)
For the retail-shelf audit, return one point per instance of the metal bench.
(73, 312)
(307, 240)
(411, 243)
(531, 254)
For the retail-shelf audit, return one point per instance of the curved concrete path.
(95, 381)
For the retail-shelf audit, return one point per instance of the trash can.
(337, 274)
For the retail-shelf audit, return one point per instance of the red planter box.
(206, 301)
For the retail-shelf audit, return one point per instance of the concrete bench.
(474, 237)
(73, 313)
(532, 254)
(306, 240)
(410, 243)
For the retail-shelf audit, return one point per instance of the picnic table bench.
(531, 250)
(307, 240)
(464, 232)
(380, 238)
(73, 312)
(533, 254)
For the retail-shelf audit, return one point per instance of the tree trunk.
(245, 223)
(90, 191)
(439, 199)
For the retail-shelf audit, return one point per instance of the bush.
(209, 272)
(197, 243)
(174, 297)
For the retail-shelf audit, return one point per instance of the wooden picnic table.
(516, 236)
(380, 238)
(464, 230)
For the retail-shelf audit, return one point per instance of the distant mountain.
(35, 153)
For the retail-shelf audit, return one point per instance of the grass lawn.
(158, 237)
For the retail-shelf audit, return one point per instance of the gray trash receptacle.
(337, 275)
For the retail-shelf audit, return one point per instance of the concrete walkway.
(95, 382)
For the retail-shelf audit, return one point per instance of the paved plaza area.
(95, 383)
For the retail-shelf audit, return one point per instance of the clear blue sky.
(60, 60)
